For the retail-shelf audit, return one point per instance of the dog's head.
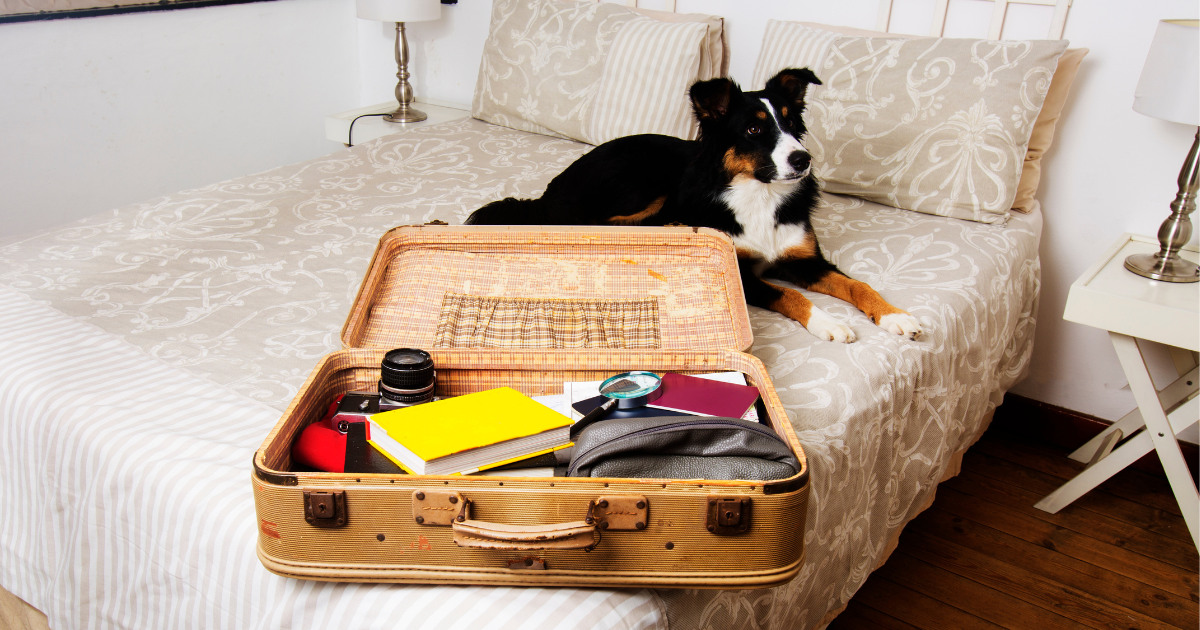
(761, 132)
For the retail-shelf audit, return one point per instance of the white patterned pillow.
(935, 125)
(593, 71)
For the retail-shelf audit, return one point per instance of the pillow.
(593, 71)
(714, 51)
(935, 125)
(1043, 128)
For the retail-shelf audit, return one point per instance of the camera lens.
(407, 376)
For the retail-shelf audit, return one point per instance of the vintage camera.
(337, 442)
(406, 377)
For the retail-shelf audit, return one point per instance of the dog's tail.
(512, 211)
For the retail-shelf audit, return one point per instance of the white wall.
(105, 111)
(1111, 170)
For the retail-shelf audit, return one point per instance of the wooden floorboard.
(17, 615)
(983, 556)
(1057, 567)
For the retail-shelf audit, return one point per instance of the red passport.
(705, 397)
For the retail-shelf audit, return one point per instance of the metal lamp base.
(406, 115)
(404, 92)
(1167, 270)
(1175, 232)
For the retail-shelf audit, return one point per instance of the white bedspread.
(148, 351)
(128, 505)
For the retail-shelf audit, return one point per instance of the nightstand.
(1132, 309)
(337, 126)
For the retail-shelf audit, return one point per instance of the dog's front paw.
(826, 327)
(901, 324)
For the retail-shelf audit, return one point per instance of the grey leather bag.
(682, 447)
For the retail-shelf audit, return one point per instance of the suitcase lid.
(568, 287)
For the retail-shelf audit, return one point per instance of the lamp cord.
(350, 131)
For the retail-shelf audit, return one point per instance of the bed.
(148, 351)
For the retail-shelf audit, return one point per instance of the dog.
(748, 174)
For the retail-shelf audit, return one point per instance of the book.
(468, 433)
(705, 396)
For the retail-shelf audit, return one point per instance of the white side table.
(369, 126)
(1133, 308)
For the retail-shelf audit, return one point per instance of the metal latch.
(728, 515)
(325, 509)
(619, 512)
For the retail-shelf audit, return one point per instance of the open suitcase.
(675, 297)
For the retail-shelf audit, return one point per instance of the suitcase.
(424, 289)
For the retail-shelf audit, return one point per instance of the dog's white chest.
(753, 204)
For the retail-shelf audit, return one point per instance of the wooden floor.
(983, 557)
(17, 615)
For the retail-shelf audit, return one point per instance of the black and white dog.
(748, 174)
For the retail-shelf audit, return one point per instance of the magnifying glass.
(626, 390)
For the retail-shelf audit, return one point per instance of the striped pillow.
(593, 71)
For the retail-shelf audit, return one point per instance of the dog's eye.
(753, 130)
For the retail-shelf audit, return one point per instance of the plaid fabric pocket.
(474, 321)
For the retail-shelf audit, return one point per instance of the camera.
(406, 377)
(337, 442)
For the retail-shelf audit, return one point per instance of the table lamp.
(401, 11)
(1169, 88)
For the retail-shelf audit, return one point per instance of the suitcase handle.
(443, 507)
(484, 535)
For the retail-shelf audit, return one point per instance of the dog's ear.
(710, 99)
(793, 83)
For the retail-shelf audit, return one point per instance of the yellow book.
(468, 433)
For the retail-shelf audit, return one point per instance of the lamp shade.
(400, 10)
(1169, 87)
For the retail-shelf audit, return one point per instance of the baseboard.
(1067, 429)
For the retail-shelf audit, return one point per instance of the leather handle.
(484, 535)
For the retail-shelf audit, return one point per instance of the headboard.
(1058, 18)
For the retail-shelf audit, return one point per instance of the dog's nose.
(799, 160)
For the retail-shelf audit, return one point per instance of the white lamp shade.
(1169, 87)
(400, 10)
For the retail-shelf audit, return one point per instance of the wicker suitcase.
(426, 287)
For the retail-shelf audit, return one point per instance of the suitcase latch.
(728, 515)
(619, 512)
(325, 509)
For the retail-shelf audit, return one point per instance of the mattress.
(148, 350)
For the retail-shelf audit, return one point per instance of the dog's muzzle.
(798, 163)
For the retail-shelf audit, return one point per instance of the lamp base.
(1175, 232)
(404, 92)
(405, 114)
(1153, 266)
